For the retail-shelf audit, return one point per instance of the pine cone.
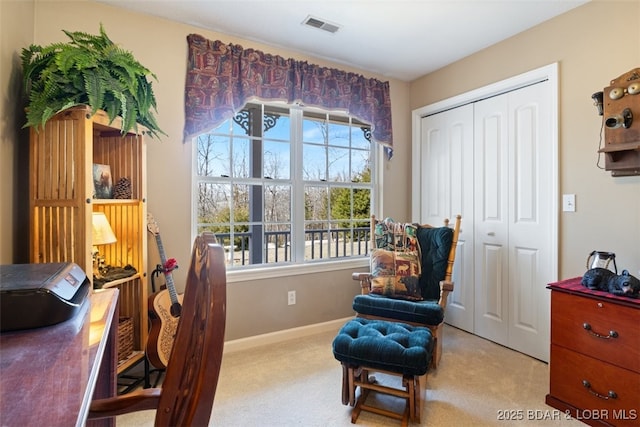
(122, 189)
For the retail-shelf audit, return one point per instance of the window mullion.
(377, 176)
(256, 192)
(298, 199)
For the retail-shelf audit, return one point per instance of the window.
(285, 185)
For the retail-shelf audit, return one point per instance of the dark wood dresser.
(595, 355)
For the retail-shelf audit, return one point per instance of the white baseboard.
(287, 334)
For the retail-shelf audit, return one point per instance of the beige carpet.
(297, 383)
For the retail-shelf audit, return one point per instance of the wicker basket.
(125, 338)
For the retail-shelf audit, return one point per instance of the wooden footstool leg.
(345, 384)
(351, 384)
(355, 413)
(416, 398)
(438, 331)
(406, 416)
(407, 383)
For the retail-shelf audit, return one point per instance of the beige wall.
(16, 31)
(254, 307)
(593, 44)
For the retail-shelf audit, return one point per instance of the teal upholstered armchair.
(410, 277)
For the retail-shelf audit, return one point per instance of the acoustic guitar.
(165, 307)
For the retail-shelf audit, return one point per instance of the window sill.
(295, 269)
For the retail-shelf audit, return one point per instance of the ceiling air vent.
(321, 24)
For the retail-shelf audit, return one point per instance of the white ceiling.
(402, 39)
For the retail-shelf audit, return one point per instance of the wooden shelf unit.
(62, 155)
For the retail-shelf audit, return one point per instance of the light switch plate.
(568, 202)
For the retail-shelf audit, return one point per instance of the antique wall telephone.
(600, 276)
(618, 103)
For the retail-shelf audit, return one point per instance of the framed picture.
(102, 182)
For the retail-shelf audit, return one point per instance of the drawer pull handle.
(611, 395)
(612, 334)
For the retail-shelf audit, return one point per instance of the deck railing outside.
(319, 244)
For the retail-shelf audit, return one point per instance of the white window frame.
(272, 270)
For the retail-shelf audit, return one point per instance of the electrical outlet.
(291, 297)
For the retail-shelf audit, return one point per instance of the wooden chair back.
(188, 390)
(454, 246)
(191, 379)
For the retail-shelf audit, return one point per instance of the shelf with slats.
(61, 194)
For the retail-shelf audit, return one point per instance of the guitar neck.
(168, 276)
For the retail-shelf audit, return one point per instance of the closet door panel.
(523, 312)
(491, 218)
(447, 190)
(524, 145)
(530, 220)
(435, 171)
(458, 141)
(460, 310)
(491, 290)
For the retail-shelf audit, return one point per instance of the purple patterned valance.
(221, 78)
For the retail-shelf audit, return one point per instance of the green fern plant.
(89, 70)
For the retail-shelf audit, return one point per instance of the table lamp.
(102, 235)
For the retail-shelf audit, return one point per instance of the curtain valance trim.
(222, 78)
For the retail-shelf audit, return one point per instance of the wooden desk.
(48, 375)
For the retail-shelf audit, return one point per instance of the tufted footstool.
(364, 346)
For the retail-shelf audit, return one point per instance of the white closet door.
(491, 169)
(496, 158)
(447, 190)
(530, 219)
(513, 187)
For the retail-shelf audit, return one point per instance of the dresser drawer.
(576, 322)
(569, 371)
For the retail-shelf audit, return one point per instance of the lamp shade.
(102, 232)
